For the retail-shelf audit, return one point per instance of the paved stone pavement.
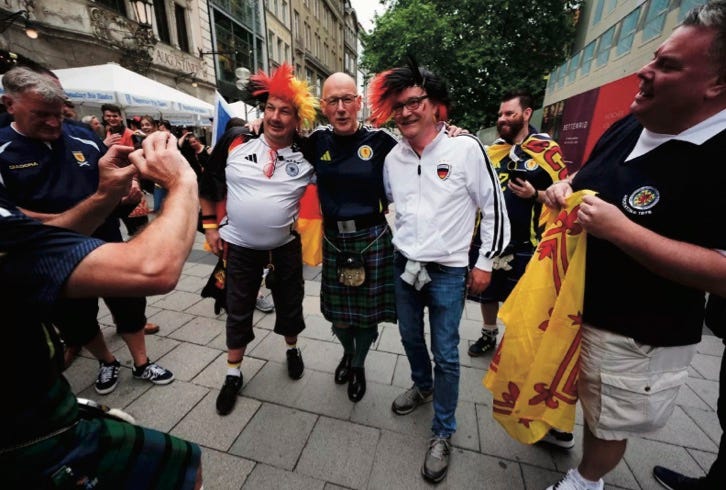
(306, 434)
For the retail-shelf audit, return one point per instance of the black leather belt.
(355, 224)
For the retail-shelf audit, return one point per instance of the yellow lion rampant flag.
(533, 374)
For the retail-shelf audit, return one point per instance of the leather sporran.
(351, 269)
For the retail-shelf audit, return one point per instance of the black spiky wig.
(386, 85)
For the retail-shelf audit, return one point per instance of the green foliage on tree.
(482, 48)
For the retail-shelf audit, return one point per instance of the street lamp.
(138, 52)
(143, 10)
(243, 76)
(187, 76)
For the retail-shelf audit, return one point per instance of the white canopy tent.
(245, 111)
(135, 94)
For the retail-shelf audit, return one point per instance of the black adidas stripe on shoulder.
(498, 245)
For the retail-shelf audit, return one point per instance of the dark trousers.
(76, 319)
(244, 275)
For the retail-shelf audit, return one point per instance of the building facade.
(324, 40)
(595, 86)
(279, 32)
(195, 46)
(75, 33)
(238, 38)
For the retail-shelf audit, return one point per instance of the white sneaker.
(265, 304)
(571, 482)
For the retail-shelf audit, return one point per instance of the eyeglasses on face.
(411, 104)
(347, 100)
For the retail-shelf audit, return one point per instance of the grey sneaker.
(265, 304)
(436, 463)
(410, 399)
(154, 373)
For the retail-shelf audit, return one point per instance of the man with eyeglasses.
(348, 160)
(262, 180)
(437, 183)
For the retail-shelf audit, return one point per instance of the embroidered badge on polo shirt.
(641, 200)
(80, 159)
(443, 170)
(365, 152)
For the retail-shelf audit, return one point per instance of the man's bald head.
(339, 79)
(341, 103)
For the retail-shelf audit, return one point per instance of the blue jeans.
(444, 297)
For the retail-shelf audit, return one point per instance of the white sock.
(588, 484)
(234, 372)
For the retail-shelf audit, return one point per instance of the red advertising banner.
(613, 104)
(578, 122)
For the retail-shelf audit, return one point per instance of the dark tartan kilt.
(119, 455)
(372, 302)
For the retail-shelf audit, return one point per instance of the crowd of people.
(466, 225)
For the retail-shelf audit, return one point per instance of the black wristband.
(209, 216)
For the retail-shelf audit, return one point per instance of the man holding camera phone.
(48, 167)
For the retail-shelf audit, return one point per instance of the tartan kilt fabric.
(372, 302)
(119, 455)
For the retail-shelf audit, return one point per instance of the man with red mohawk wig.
(437, 183)
(262, 180)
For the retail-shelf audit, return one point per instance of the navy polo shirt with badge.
(675, 190)
(53, 177)
(349, 170)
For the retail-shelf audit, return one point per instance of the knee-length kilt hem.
(372, 302)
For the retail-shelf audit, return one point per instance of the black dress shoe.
(342, 372)
(357, 384)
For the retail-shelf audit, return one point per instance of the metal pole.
(254, 35)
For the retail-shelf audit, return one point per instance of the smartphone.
(137, 139)
(517, 174)
(116, 129)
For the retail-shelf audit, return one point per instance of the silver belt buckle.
(347, 226)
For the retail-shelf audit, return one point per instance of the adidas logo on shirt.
(251, 158)
(325, 157)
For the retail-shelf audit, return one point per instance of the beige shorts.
(627, 388)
